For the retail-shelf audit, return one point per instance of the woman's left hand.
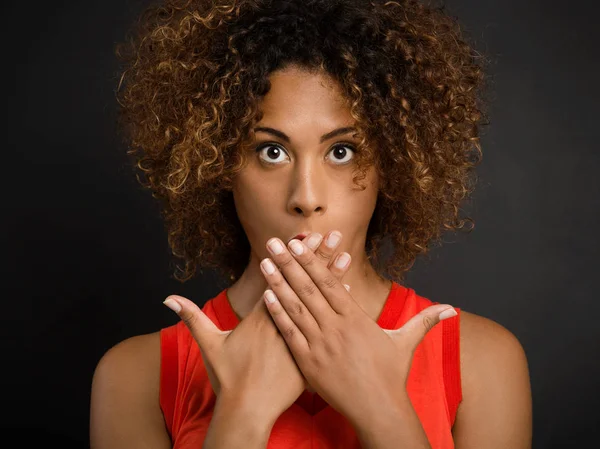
(353, 364)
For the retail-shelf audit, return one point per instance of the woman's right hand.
(250, 365)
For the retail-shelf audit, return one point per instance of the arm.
(125, 411)
(234, 425)
(496, 410)
(399, 423)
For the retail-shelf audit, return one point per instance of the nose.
(308, 190)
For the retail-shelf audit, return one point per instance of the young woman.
(290, 141)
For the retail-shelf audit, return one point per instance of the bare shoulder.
(496, 408)
(125, 410)
(486, 344)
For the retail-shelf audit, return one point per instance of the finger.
(201, 327)
(316, 243)
(259, 312)
(417, 327)
(329, 287)
(292, 335)
(324, 248)
(299, 313)
(306, 295)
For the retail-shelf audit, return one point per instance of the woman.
(286, 140)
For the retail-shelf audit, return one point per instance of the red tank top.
(187, 399)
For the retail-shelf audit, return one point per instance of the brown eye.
(270, 153)
(342, 154)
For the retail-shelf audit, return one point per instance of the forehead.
(298, 96)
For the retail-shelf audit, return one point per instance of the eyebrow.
(324, 137)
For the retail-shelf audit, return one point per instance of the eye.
(340, 153)
(271, 153)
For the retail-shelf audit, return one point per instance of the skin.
(250, 368)
(308, 189)
(340, 349)
(308, 193)
(334, 343)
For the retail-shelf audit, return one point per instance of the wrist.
(372, 412)
(234, 425)
(391, 426)
(244, 410)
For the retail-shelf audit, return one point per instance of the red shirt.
(187, 399)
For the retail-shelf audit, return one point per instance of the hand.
(250, 364)
(352, 363)
(322, 253)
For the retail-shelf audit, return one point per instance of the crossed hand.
(312, 330)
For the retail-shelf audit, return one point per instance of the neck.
(367, 287)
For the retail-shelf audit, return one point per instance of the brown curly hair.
(194, 73)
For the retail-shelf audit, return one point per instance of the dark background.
(86, 257)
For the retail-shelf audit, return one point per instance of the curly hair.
(194, 72)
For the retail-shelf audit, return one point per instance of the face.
(299, 179)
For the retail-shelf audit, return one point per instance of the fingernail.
(172, 304)
(270, 296)
(275, 247)
(313, 241)
(296, 247)
(333, 239)
(268, 266)
(448, 313)
(342, 260)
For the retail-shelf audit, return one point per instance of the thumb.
(201, 327)
(415, 329)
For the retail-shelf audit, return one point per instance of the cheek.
(361, 203)
(254, 202)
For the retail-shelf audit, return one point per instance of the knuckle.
(288, 332)
(297, 309)
(277, 283)
(307, 289)
(329, 282)
(190, 320)
(310, 261)
(428, 322)
(286, 261)
(335, 338)
(332, 349)
(276, 311)
(322, 254)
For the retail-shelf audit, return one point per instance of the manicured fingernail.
(270, 296)
(333, 239)
(448, 313)
(342, 260)
(275, 246)
(268, 266)
(314, 240)
(296, 247)
(172, 304)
